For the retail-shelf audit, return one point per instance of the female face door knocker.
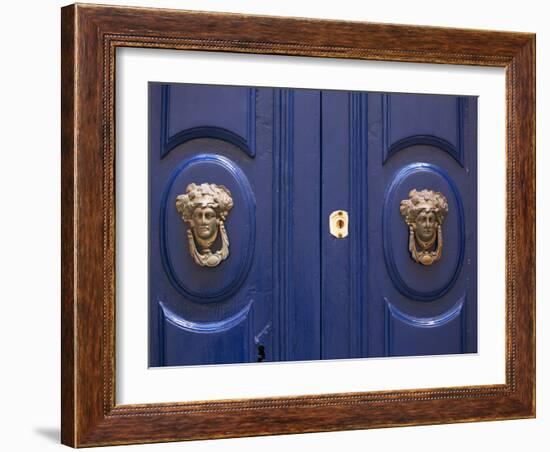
(424, 213)
(204, 208)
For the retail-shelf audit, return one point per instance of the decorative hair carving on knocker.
(204, 208)
(424, 212)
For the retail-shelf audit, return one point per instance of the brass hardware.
(204, 208)
(424, 212)
(338, 221)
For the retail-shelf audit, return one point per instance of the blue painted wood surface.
(289, 290)
(426, 141)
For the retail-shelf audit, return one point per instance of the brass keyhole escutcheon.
(338, 222)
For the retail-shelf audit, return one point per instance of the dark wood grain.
(67, 226)
(90, 36)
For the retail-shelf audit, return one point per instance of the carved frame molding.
(90, 36)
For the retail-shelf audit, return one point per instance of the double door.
(297, 224)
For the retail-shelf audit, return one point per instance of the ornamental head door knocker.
(204, 208)
(424, 213)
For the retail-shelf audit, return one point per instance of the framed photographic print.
(280, 225)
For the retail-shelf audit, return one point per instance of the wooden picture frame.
(90, 36)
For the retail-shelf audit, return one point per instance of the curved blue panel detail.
(203, 327)
(389, 149)
(427, 140)
(389, 257)
(240, 270)
(206, 132)
(170, 142)
(426, 322)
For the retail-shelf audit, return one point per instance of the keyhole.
(261, 353)
(338, 223)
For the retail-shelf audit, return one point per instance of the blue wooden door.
(389, 158)
(272, 283)
(261, 147)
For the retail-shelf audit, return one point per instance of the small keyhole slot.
(261, 353)
(339, 223)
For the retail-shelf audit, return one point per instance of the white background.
(30, 243)
(137, 384)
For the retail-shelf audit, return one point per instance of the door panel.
(376, 299)
(433, 119)
(208, 111)
(262, 301)
(428, 142)
(198, 134)
(296, 241)
(407, 334)
(344, 260)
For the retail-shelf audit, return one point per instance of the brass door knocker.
(204, 208)
(424, 213)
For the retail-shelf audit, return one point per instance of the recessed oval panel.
(202, 283)
(416, 281)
